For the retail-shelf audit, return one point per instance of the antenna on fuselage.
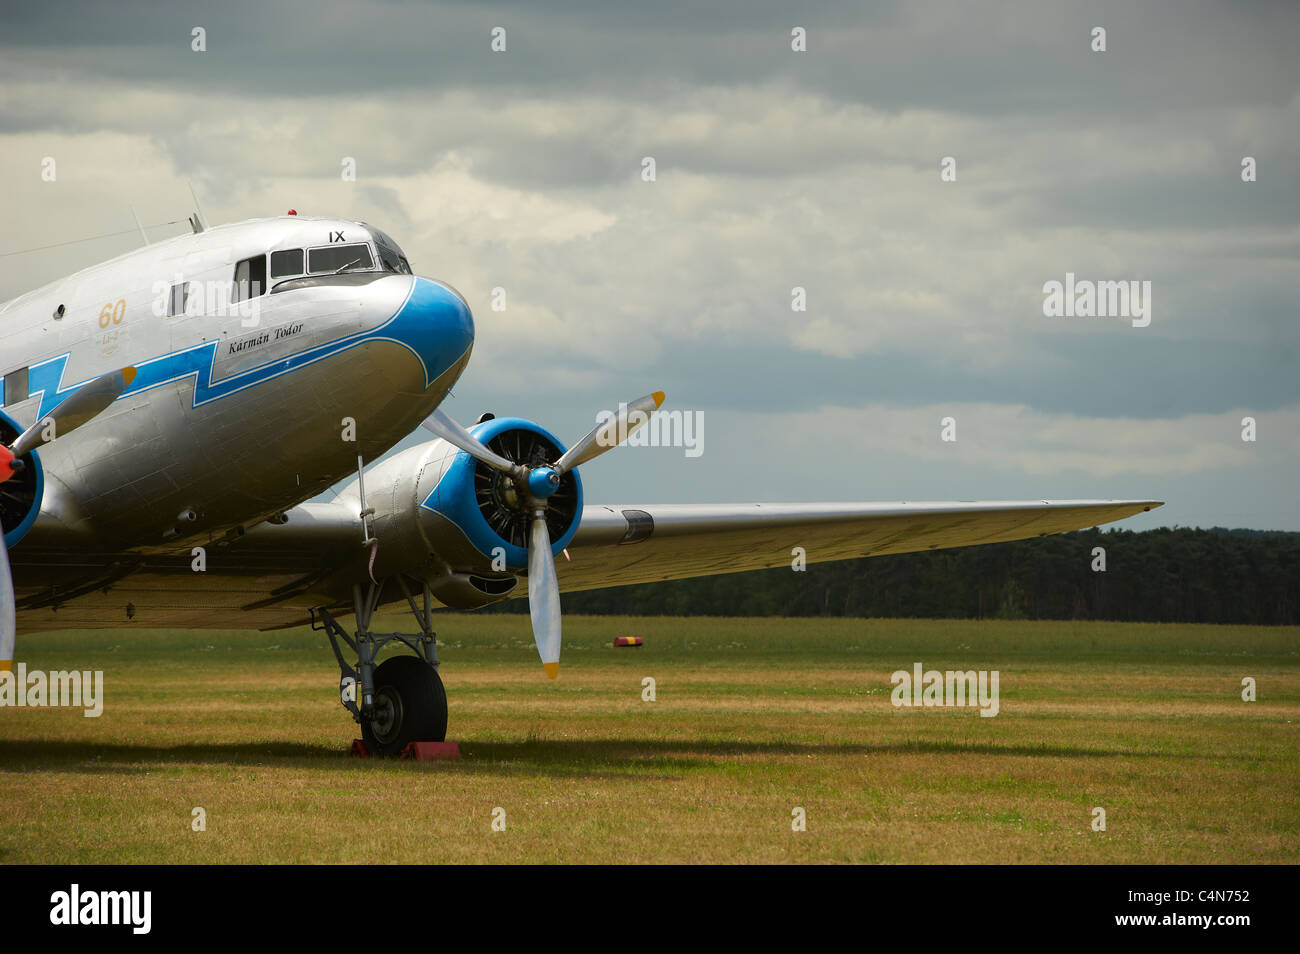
(143, 235)
(198, 221)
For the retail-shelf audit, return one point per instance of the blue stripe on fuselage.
(432, 323)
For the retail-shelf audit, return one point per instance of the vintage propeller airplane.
(167, 414)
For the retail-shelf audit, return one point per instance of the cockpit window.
(250, 278)
(391, 256)
(336, 258)
(286, 262)
(391, 260)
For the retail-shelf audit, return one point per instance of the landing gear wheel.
(410, 705)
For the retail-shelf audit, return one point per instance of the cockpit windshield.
(339, 258)
(391, 258)
(290, 267)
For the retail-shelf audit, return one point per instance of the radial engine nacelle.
(443, 517)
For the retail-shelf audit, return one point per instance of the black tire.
(410, 705)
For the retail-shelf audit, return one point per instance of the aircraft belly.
(149, 601)
(165, 597)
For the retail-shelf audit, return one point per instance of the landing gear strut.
(400, 700)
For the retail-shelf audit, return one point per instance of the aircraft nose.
(450, 313)
(436, 324)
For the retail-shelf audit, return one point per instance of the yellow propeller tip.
(552, 669)
(128, 375)
(659, 399)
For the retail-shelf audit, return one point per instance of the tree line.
(1176, 575)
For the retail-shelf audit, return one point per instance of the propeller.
(613, 432)
(544, 595)
(8, 612)
(82, 405)
(535, 485)
(443, 426)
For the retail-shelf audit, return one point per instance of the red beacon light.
(293, 211)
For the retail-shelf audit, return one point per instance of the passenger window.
(178, 299)
(250, 278)
(336, 258)
(286, 263)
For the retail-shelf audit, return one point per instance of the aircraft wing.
(616, 545)
(271, 576)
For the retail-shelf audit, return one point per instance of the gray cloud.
(985, 59)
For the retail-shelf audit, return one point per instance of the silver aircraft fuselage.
(248, 398)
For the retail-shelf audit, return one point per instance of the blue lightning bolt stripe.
(432, 323)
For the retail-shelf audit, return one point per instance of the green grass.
(752, 718)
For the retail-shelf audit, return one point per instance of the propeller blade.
(86, 402)
(614, 431)
(7, 615)
(544, 595)
(443, 426)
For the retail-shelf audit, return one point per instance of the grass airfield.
(752, 718)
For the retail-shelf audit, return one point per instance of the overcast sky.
(522, 170)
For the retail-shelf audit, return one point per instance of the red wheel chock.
(427, 751)
(420, 751)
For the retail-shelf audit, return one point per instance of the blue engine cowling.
(20, 495)
(484, 504)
